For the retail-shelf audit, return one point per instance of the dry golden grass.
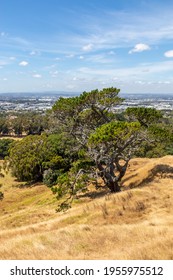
(12, 137)
(134, 224)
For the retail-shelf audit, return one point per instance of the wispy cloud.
(118, 30)
(99, 58)
(130, 72)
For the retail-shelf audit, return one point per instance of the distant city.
(40, 102)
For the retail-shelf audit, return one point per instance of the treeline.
(84, 140)
(23, 124)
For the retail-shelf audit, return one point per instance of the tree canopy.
(91, 141)
(108, 139)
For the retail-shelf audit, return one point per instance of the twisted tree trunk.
(114, 186)
(110, 179)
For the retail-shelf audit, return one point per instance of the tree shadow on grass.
(94, 194)
(28, 185)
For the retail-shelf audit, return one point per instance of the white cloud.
(81, 57)
(169, 53)
(23, 63)
(140, 48)
(88, 47)
(37, 76)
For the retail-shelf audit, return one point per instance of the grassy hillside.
(134, 224)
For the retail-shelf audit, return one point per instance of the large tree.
(108, 143)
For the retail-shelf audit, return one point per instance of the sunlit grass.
(134, 224)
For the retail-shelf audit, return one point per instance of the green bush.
(5, 144)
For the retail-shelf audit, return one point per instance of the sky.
(80, 45)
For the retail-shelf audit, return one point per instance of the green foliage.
(161, 133)
(64, 145)
(151, 150)
(158, 141)
(107, 98)
(81, 114)
(68, 185)
(4, 126)
(17, 125)
(105, 139)
(30, 123)
(50, 177)
(31, 156)
(91, 142)
(41, 157)
(26, 158)
(114, 132)
(5, 144)
(145, 116)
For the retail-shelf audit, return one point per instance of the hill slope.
(134, 224)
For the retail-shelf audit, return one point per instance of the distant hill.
(36, 94)
(72, 93)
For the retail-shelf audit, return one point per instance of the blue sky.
(78, 45)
